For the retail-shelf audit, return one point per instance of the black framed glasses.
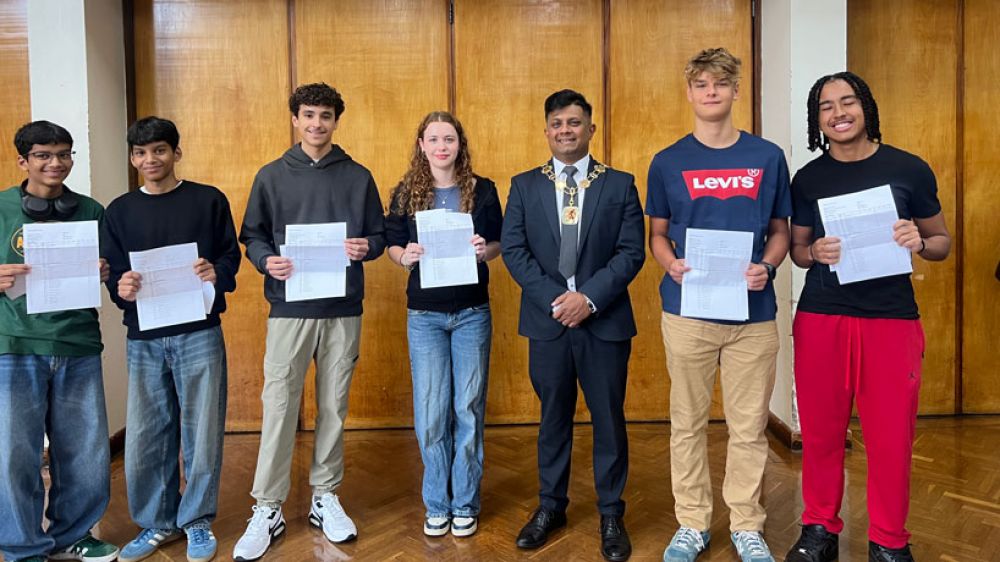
(46, 156)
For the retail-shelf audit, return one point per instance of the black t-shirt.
(915, 191)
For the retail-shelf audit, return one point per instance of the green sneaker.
(87, 549)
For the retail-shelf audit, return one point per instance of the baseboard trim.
(783, 433)
(118, 442)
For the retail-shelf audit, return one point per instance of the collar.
(582, 166)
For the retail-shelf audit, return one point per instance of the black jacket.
(611, 252)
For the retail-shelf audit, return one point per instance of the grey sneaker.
(751, 547)
(686, 545)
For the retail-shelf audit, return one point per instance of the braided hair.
(868, 106)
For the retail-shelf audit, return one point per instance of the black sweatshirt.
(487, 221)
(192, 212)
(295, 190)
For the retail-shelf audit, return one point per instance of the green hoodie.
(73, 333)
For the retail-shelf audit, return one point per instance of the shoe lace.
(259, 521)
(752, 542)
(687, 537)
(199, 535)
(330, 505)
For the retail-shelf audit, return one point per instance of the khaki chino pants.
(746, 354)
(291, 344)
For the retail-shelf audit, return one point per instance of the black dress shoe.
(879, 553)
(536, 531)
(615, 545)
(815, 545)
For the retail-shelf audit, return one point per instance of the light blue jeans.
(176, 403)
(450, 358)
(62, 397)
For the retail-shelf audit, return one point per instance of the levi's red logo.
(723, 184)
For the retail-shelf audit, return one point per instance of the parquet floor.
(955, 514)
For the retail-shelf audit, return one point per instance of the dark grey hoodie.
(295, 190)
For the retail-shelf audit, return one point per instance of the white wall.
(800, 41)
(76, 53)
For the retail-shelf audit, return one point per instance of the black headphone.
(41, 209)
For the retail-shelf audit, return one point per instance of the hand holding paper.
(715, 286)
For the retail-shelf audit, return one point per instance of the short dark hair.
(153, 129)
(868, 106)
(319, 94)
(40, 132)
(566, 98)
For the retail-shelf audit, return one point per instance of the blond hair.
(718, 62)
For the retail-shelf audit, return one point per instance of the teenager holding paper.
(51, 382)
(177, 374)
(448, 328)
(719, 178)
(861, 341)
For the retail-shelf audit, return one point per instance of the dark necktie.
(567, 246)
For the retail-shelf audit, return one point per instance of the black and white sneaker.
(266, 524)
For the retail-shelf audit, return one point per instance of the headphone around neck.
(40, 209)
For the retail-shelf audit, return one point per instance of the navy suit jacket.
(610, 252)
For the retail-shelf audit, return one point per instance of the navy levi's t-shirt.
(737, 188)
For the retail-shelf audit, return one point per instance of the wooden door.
(220, 70)
(16, 107)
(651, 41)
(892, 45)
(390, 62)
(981, 209)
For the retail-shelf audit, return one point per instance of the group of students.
(573, 238)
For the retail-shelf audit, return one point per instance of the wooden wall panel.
(651, 42)
(981, 311)
(892, 45)
(390, 61)
(509, 56)
(14, 91)
(220, 70)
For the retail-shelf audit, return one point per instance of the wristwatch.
(591, 305)
(771, 270)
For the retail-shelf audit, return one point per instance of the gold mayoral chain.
(570, 212)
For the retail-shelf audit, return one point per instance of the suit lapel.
(590, 203)
(545, 191)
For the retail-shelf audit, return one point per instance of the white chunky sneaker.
(265, 525)
(327, 514)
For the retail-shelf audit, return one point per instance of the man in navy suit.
(573, 240)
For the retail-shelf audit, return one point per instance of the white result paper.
(449, 258)
(319, 263)
(716, 286)
(170, 292)
(863, 223)
(65, 266)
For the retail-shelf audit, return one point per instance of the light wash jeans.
(176, 402)
(449, 359)
(62, 397)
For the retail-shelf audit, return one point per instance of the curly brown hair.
(415, 191)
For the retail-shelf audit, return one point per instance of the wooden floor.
(955, 514)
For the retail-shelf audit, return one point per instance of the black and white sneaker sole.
(276, 533)
(317, 522)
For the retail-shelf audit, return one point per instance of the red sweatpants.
(877, 362)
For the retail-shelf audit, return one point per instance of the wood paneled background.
(932, 66)
(890, 45)
(223, 71)
(15, 109)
